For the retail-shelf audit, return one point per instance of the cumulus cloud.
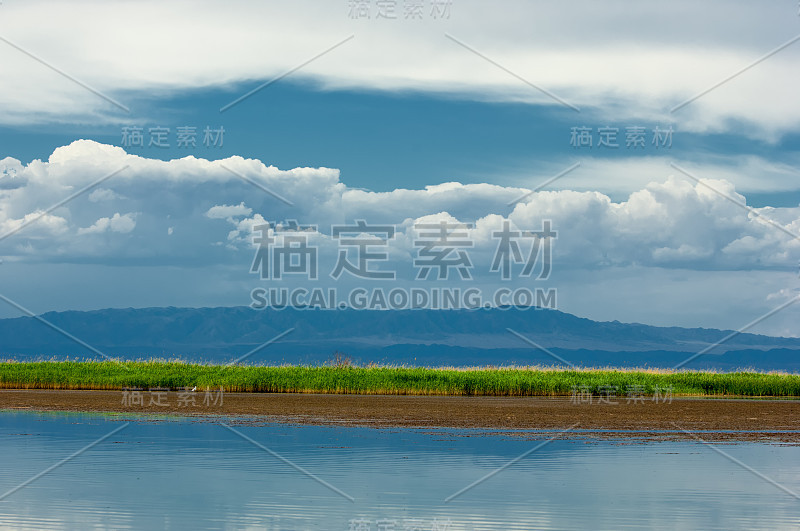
(228, 211)
(121, 224)
(671, 223)
(622, 176)
(673, 239)
(102, 194)
(38, 224)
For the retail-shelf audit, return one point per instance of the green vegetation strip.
(515, 381)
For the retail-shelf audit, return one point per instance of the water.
(181, 474)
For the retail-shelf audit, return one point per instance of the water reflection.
(178, 474)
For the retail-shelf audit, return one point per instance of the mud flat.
(718, 419)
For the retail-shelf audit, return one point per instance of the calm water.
(178, 474)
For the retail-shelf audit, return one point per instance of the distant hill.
(429, 337)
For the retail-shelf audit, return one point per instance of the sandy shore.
(766, 417)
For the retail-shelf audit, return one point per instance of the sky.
(683, 211)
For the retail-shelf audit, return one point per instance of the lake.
(175, 473)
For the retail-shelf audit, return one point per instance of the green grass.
(512, 381)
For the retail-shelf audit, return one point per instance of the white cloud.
(121, 224)
(624, 175)
(670, 241)
(38, 224)
(102, 194)
(620, 62)
(228, 211)
(668, 223)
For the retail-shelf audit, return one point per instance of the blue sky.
(402, 121)
(382, 141)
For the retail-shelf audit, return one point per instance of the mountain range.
(496, 336)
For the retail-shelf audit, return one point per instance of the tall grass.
(509, 381)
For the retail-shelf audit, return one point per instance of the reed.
(400, 380)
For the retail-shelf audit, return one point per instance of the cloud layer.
(180, 233)
(200, 211)
(618, 62)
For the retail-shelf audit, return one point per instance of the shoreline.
(718, 419)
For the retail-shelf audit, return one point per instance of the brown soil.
(495, 413)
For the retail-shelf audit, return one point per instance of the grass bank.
(513, 381)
